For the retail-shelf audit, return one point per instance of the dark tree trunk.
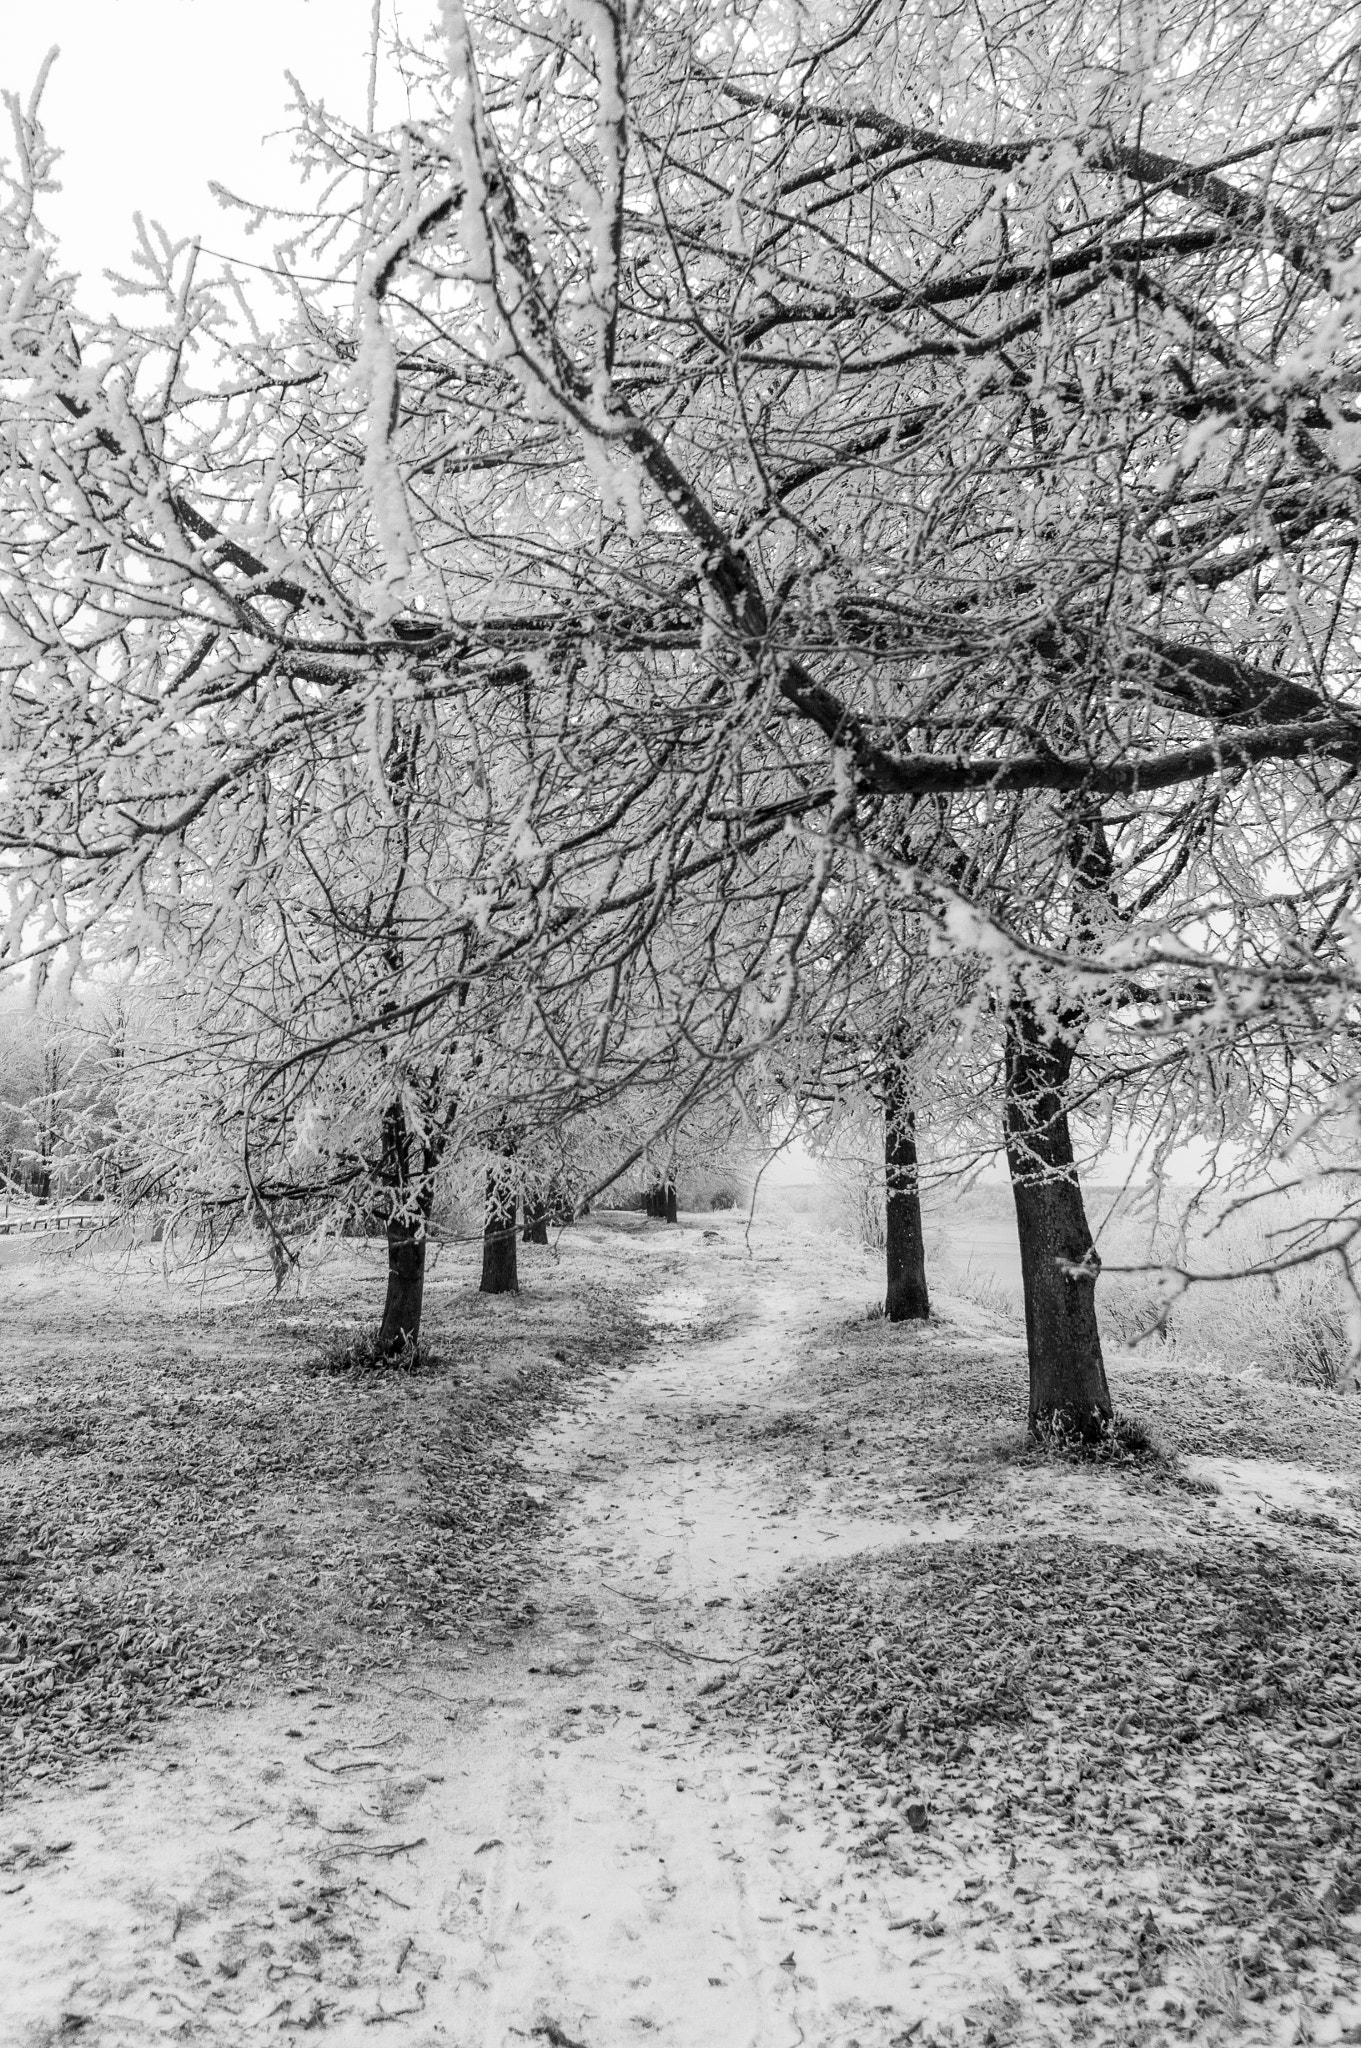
(671, 1209)
(907, 1300)
(499, 1274)
(536, 1219)
(401, 1324)
(278, 1250)
(1068, 1388)
(656, 1200)
(407, 1164)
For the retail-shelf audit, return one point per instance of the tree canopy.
(705, 471)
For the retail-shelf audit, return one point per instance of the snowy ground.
(570, 1835)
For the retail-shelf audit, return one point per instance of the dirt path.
(556, 1837)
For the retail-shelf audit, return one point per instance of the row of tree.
(758, 559)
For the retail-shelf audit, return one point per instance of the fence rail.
(64, 1219)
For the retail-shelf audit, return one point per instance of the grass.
(346, 1353)
(1123, 1440)
(983, 1290)
(201, 1487)
(1096, 1724)
(1101, 1712)
(1127, 1718)
(1292, 1326)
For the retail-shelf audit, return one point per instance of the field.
(1292, 1325)
(681, 1655)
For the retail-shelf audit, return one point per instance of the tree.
(908, 1298)
(499, 1271)
(873, 1014)
(59, 1063)
(767, 423)
(1087, 545)
(404, 896)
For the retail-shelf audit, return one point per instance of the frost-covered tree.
(738, 424)
(409, 898)
(974, 428)
(41, 1097)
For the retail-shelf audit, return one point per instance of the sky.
(150, 99)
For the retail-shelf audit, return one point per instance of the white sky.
(149, 99)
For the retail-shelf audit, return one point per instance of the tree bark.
(536, 1219)
(907, 1299)
(671, 1207)
(406, 1167)
(278, 1252)
(1068, 1390)
(401, 1324)
(499, 1272)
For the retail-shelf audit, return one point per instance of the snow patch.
(1249, 1487)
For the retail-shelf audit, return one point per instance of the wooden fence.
(16, 1221)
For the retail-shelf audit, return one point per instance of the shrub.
(1291, 1325)
(1123, 1441)
(362, 1354)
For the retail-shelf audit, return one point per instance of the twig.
(404, 1691)
(376, 2019)
(693, 1656)
(551, 2031)
(641, 1599)
(383, 1848)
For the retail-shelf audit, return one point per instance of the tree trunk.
(499, 1274)
(536, 1219)
(671, 1209)
(408, 1179)
(1068, 1390)
(907, 1300)
(278, 1251)
(401, 1323)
